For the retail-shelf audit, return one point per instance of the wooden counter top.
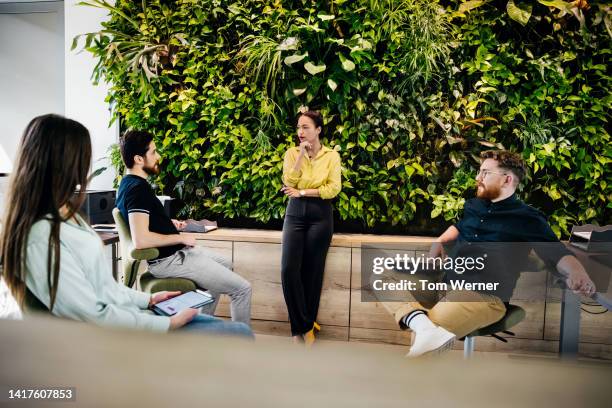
(338, 240)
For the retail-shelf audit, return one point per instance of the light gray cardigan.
(86, 289)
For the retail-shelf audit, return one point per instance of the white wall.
(31, 72)
(84, 101)
(39, 74)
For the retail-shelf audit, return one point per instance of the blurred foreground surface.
(117, 368)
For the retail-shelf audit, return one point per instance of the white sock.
(417, 321)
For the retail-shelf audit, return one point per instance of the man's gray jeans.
(211, 271)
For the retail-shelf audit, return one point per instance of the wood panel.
(274, 237)
(531, 287)
(366, 314)
(400, 337)
(594, 328)
(532, 327)
(224, 248)
(335, 296)
(371, 315)
(259, 263)
(283, 329)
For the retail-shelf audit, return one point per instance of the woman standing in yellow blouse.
(311, 177)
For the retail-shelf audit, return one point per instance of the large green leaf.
(325, 17)
(470, 5)
(298, 91)
(314, 69)
(332, 84)
(521, 14)
(559, 4)
(292, 59)
(347, 64)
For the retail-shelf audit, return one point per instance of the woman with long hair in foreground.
(49, 252)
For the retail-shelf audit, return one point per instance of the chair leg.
(468, 346)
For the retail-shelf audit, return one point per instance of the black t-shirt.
(135, 195)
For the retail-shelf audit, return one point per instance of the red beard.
(488, 193)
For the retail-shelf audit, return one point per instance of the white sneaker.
(430, 341)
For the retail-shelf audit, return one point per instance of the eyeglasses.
(485, 173)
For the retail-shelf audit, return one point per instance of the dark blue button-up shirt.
(506, 221)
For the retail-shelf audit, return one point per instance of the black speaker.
(98, 206)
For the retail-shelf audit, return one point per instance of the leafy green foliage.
(411, 91)
(548, 84)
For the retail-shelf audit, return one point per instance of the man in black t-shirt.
(152, 228)
(496, 215)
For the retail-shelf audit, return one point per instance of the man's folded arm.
(143, 238)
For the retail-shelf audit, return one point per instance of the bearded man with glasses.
(496, 215)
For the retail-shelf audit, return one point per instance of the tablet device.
(199, 226)
(194, 299)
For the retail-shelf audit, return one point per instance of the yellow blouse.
(323, 172)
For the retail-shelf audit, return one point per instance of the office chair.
(133, 257)
(514, 315)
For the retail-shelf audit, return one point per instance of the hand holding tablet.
(194, 300)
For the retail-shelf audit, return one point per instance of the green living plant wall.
(411, 92)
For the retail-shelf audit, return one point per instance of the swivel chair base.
(514, 315)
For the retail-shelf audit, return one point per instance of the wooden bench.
(256, 255)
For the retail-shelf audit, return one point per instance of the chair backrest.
(131, 257)
(130, 265)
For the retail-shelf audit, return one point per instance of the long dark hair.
(52, 163)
